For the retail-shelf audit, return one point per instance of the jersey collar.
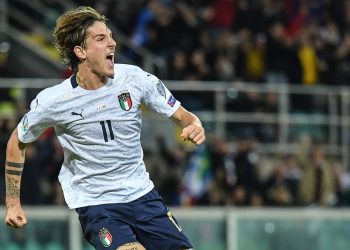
(73, 81)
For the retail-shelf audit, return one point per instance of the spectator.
(246, 168)
(317, 183)
(308, 59)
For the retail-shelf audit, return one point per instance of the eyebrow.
(102, 34)
(97, 35)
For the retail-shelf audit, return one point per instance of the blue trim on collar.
(73, 81)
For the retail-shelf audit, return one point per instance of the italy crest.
(125, 101)
(105, 237)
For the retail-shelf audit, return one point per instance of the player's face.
(100, 50)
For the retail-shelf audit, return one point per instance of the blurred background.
(268, 78)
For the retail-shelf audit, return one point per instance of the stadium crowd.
(263, 41)
(268, 41)
(278, 41)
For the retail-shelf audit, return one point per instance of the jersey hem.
(101, 202)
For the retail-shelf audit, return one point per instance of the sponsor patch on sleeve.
(171, 101)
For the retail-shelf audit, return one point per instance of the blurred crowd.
(277, 41)
(263, 41)
(217, 175)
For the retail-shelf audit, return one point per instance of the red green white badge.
(125, 101)
(105, 237)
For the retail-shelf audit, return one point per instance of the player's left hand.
(194, 133)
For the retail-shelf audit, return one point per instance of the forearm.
(15, 157)
(185, 118)
(192, 128)
(190, 118)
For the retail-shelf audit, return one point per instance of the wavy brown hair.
(71, 30)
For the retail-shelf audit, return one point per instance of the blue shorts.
(146, 220)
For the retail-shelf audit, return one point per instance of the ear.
(80, 52)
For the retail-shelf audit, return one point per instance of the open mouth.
(110, 58)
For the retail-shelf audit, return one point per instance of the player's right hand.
(15, 217)
(194, 133)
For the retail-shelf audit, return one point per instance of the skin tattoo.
(12, 182)
(12, 187)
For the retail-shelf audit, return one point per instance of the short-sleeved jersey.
(99, 131)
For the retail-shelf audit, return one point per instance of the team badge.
(105, 237)
(125, 101)
(171, 101)
(160, 88)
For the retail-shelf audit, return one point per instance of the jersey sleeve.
(34, 123)
(158, 97)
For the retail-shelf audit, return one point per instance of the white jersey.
(99, 131)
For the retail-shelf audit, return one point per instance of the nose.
(112, 43)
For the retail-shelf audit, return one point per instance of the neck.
(89, 80)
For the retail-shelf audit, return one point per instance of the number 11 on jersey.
(104, 131)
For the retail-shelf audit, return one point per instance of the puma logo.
(81, 113)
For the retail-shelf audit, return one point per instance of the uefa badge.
(105, 237)
(125, 101)
(171, 101)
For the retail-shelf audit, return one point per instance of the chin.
(110, 73)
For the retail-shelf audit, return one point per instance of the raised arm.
(15, 156)
(192, 126)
